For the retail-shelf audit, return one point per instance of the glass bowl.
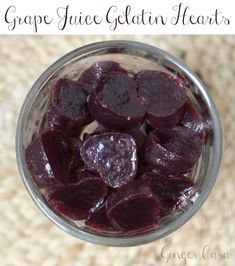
(134, 57)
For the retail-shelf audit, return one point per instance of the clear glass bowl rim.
(122, 241)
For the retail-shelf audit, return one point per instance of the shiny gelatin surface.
(126, 173)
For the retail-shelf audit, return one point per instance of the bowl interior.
(133, 57)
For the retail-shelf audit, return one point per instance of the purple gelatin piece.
(134, 208)
(112, 155)
(80, 173)
(175, 193)
(98, 70)
(172, 151)
(99, 221)
(79, 200)
(114, 102)
(48, 158)
(192, 120)
(68, 108)
(164, 97)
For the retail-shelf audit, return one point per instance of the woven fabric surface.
(27, 237)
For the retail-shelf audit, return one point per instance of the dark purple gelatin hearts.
(134, 208)
(68, 107)
(79, 200)
(192, 120)
(112, 155)
(48, 158)
(98, 70)
(175, 193)
(114, 102)
(163, 96)
(99, 220)
(172, 151)
(123, 173)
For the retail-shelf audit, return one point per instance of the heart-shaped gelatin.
(98, 70)
(68, 106)
(124, 173)
(112, 155)
(172, 151)
(114, 102)
(79, 200)
(48, 158)
(134, 208)
(163, 96)
(175, 192)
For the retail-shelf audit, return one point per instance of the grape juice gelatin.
(117, 150)
(119, 103)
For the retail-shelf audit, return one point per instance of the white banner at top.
(117, 17)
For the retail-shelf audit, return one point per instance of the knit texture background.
(28, 238)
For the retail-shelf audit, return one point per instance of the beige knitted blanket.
(27, 237)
